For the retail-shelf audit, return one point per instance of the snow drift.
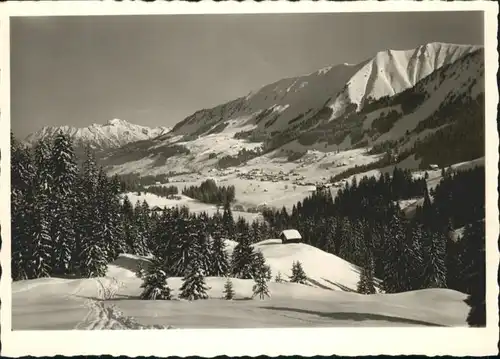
(54, 303)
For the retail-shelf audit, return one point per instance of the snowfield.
(193, 205)
(326, 301)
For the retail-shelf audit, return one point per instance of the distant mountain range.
(114, 134)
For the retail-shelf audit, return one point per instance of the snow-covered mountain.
(115, 133)
(341, 88)
(398, 100)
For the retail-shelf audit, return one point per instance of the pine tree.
(415, 258)
(219, 258)
(279, 278)
(202, 243)
(130, 232)
(259, 266)
(93, 256)
(182, 246)
(242, 259)
(193, 286)
(434, 268)
(63, 203)
(155, 284)
(298, 274)
(256, 232)
(475, 272)
(140, 224)
(118, 245)
(22, 187)
(91, 251)
(42, 243)
(42, 246)
(395, 270)
(228, 221)
(260, 287)
(366, 284)
(228, 290)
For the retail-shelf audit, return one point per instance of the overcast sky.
(156, 70)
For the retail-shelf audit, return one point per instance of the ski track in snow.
(103, 317)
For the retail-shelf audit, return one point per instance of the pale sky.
(156, 70)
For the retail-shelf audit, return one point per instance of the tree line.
(365, 225)
(66, 219)
(209, 192)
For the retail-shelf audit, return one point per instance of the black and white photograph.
(249, 171)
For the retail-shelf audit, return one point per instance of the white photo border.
(254, 342)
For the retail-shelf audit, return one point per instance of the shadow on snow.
(356, 316)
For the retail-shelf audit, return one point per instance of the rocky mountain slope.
(340, 88)
(425, 104)
(115, 133)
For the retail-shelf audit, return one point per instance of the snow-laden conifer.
(219, 260)
(193, 284)
(155, 286)
(228, 290)
(298, 274)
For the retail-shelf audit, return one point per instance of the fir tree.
(228, 290)
(91, 251)
(63, 202)
(434, 268)
(279, 278)
(22, 177)
(219, 260)
(106, 226)
(256, 232)
(93, 255)
(260, 288)
(395, 270)
(366, 284)
(130, 232)
(42, 247)
(414, 258)
(228, 221)
(182, 246)
(42, 244)
(259, 266)
(155, 282)
(193, 286)
(475, 272)
(242, 259)
(203, 247)
(140, 221)
(298, 274)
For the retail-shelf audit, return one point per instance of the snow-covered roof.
(291, 234)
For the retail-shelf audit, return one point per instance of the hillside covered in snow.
(326, 300)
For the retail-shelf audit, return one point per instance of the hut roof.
(291, 234)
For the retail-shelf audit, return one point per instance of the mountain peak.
(116, 122)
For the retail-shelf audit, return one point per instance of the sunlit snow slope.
(53, 303)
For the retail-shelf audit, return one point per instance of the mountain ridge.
(339, 87)
(112, 134)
